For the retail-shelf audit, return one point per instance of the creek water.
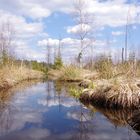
(46, 111)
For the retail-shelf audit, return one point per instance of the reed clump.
(104, 66)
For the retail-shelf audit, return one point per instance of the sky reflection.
(41, 112)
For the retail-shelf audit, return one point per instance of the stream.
(46, 111)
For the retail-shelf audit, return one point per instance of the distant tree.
(122, 55)
(48, 53)
(58, 63)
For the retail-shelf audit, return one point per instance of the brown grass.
(10, 76)
(121, 95)
(71, 73)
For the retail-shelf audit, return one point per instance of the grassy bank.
(12, 75)
(71, 73)
(107, 84)
(113, 94)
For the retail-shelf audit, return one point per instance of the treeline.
(31, 64)
(8, 56)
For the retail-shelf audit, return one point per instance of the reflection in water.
(46, 111)
(120, 117)
(134, 122)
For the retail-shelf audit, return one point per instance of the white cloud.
(49, 42)
(24, 51)
(24, 33)
(28, 8)
(37, 11)
(66, 42)
(19, 24)
(77, 116)
(113, 13)
(81, 28)
(69, 41)
(108, 13)
(117, 33)
(66, 103)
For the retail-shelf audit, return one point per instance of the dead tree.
(83, 21)
(122, 55)
(7, 37)
(48, 47)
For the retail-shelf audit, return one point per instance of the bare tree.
(122, 55)
(7, 36)
(127, 26)
(84, 26)
(126, 33)
(48, 47)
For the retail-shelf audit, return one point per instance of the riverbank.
(113, 93)
(10, 76)
(71, 74)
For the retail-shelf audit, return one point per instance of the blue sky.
(41, 22)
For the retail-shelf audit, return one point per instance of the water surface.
(46, 111)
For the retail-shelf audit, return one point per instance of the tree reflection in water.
(8, 109)
(49, 107)
(6, 113)
(77, 113)
(121, 117)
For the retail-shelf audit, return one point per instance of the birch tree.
(83, 20)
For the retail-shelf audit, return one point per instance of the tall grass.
(72, 73)
(104, 67)
(69, 73)
(11, 75)
(107, 69)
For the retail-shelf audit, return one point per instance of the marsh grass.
(121, 95)
(68, 73)
(11, 75)
(107, 69)
(104, 67)
(72, 73)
